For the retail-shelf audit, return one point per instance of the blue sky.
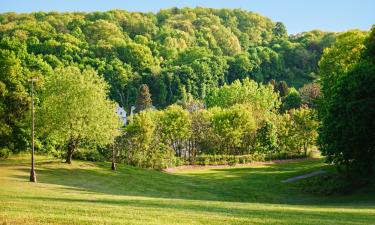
(297, 15)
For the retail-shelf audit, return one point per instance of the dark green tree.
(144, 100)
(347, 134)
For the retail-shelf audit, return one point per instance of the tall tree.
(144, 100)
(347, 109)
(75, 110)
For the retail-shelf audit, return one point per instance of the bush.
(88, 155)
(286, 155)
(5, 153)
(228, 159)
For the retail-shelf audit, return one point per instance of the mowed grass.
(90, 193)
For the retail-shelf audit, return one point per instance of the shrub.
(5, 152)
(88, 155)
(228, 159)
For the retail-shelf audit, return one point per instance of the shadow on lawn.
(313, 216)
(245, 184)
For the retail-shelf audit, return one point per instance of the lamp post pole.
(113, 157)
(32, 172)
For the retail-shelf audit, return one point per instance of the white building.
(122, 114)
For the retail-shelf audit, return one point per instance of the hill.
(175, 51)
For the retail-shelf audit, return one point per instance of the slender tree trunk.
(69, 154)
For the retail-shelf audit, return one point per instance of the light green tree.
(175, 125)
(232, 127)
(75, 110)
(305, 128)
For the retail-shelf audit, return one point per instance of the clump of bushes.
(232, 160)
(88, 155)
(228, 159)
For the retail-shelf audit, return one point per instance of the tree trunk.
(69, 154)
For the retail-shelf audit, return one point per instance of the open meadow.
(90, 193)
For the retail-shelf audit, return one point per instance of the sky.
(297, 15)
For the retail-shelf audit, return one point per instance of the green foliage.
(5, 153)
(305, 128)
(259, 96)
(174, 50)
(283, 89)
(143, 99)
(340, 58)
(297, 131)
(266, 139)
(232, 160)
(142, 146)
(88, 155)
(347, 109)
(75, 110)
(16, 67)
(292, 100)
(232, 129)
(174, 125)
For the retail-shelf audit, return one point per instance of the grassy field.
(90, 193)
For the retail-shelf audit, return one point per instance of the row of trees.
(242, 119)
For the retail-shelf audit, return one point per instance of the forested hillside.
(175, 51)
(180, 54)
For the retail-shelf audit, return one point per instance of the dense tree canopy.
(231, 72)
(347, 109)
(174, 51)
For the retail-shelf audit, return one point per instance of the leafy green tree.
(266, 138)
(138, 138)
(292, 101)
(232, 128)
(261, 97)
(283, 88)
(75, 110)
(305, 128)
(14, 101)
(279, 30)
(239, 67)
(174, 125)
(137, 55)
(340, 58)
(347, 110)
(144, 100)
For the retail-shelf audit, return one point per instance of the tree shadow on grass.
(310, 215)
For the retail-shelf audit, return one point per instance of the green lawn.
(90, 193)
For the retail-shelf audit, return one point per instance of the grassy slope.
(89, 193)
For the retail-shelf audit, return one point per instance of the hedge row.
(242, 159)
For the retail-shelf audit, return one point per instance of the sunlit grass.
(90, 193)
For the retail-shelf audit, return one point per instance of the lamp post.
(114, 152)
(32, 172)
(113, 157)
